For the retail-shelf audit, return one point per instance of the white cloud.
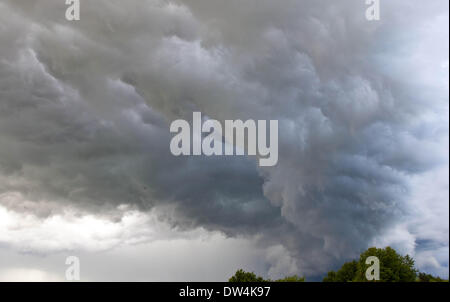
(27, 275)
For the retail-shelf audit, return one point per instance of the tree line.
(393, 268)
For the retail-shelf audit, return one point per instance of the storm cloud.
(85, 109)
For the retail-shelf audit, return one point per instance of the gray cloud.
(363, 108)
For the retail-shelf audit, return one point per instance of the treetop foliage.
(243, 276)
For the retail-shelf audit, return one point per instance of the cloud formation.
(85, 109)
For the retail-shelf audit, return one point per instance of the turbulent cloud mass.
(85, 109)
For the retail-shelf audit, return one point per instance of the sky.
(85, 112)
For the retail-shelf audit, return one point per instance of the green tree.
(243, 276)
(293, 278)
(393, 267)
(346, 273)
(331, 277)
(423, 277)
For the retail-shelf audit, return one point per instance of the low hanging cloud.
(85, 109)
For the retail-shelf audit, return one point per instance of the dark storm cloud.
(85, 108)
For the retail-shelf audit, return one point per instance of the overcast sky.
(85, 164)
